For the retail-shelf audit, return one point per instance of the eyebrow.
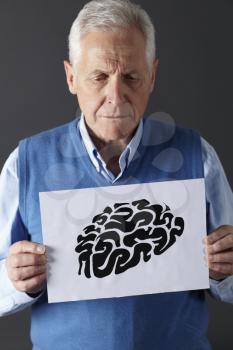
(96, 72)
(103, 71)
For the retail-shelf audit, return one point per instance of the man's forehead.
(105, 52)
(112, 42)
(100, 49)
(97, 58)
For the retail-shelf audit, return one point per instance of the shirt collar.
(89, 145)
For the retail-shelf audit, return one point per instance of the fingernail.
(45, 251)
(40, 249)
(205, 240)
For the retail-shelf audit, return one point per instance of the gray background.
(194, 86)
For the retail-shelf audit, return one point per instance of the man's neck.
(111, 151)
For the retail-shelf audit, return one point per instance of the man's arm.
(219, 199)
(11, 299)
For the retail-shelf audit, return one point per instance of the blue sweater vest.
(57, 160)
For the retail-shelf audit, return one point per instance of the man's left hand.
(220, 252)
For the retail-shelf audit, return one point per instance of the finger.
(223, 268)
(222, 257)
(21, 260)
(23, 273)
(31, 285)
(27, 247)
(221, 232)
(222, 244)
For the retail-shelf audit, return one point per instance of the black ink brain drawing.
(124, 234)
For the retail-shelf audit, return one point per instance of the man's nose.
(115, 91)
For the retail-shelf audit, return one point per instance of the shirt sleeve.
(11, 300)
(219, 198)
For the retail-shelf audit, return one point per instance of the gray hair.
(111, 15)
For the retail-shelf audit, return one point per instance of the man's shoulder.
(52, 133)
(160, 131)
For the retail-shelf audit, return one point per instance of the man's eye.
(101, 77)
(130, 77)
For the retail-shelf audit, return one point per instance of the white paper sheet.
(163, 223)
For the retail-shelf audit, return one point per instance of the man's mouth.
(115, 116)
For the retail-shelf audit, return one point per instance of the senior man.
(112, 71)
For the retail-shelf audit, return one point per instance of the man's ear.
(154, 74)
(70, 77)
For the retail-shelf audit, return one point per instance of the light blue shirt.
(218, 194)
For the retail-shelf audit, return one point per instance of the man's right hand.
(26, 266)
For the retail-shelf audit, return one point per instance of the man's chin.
(114, 129)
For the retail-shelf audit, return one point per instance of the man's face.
(113, 82)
